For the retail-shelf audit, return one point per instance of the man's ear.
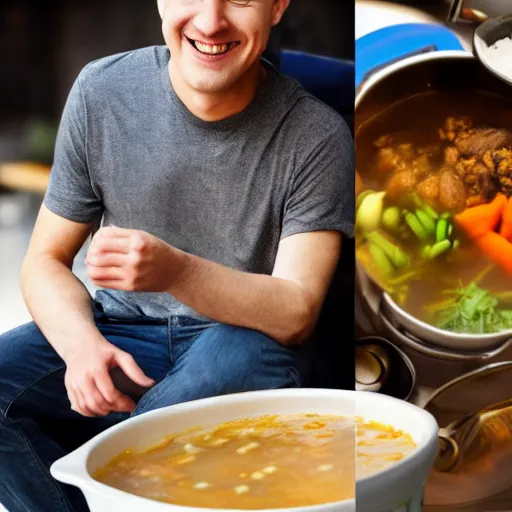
(160, 7)
(279, 8)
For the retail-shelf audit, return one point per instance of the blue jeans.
(189, 359)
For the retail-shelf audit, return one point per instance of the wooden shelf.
(27, 176)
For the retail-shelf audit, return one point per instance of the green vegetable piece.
(456, 244)
(369, 214)
(417, 200)
(474, 311)
(361, 196)
(391, 218)
(441, 230)
(381, 260)
(416, 226)
(428, 209)
(450, 229)
(426, 221)
(439, 248)
(425, 252)
(398, 257)
(446, 215)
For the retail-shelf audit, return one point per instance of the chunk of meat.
(452, 193)
(401, 183)
(451, 156)
(503, 169)
(452, 126)
(406, 151)
(476, 200)
(455, 124)
(478, 141)
(428, 189)
(383, 141)
(431, 150)
(387, 161)
(479, 181)
(421, 166)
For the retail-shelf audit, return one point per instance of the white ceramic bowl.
(400, 484)
(400, 487)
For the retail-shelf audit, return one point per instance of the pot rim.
(397, 311)
(491, 367)
(377, 76)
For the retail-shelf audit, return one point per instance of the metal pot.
(382, 367)
(418, 63)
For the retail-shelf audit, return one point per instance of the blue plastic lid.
(391, 44)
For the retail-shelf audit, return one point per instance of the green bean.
(439, 248)
(381, 260)
(441, 230)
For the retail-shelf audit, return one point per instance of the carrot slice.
(506, 221)
(497, 249)
(480, 220)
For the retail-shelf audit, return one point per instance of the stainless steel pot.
(403, 78)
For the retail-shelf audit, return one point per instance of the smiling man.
(222, 189)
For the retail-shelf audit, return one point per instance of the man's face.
(213, 43)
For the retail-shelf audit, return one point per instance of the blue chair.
(332, 81)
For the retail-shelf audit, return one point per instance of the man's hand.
(89, 384)
(130, 260)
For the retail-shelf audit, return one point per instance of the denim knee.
(25, 358)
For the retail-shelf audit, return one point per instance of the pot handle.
(438, 353)
(391, 44)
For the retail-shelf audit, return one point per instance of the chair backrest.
(332, 81)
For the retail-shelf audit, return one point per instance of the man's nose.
(211, 17)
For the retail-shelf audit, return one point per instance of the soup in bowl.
(290, 450)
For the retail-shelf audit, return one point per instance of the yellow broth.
(417, 120)
(379, 446)
(258, 463)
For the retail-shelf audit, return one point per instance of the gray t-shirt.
(130, 153)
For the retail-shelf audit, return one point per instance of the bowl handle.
(378, 49)
(414, 343)
(70, 469)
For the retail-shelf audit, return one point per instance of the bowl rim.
(422, 452)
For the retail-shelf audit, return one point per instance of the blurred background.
(43, 46)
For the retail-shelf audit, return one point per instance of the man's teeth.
(213, 49)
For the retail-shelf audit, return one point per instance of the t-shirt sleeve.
(70, 193)
(322, 193)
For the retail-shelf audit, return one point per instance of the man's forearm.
(59, 304)
(277, 307)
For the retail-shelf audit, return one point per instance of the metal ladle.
(485, 35)
(465, 440)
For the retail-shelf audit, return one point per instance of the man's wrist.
(69, 350)
(179, 263)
